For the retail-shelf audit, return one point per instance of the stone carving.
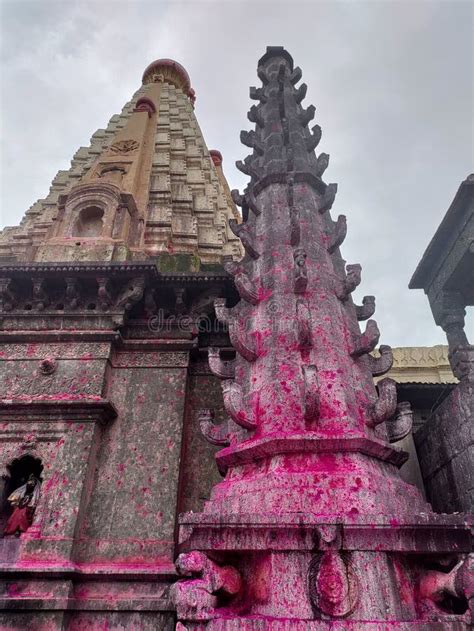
(246, 288)
(47, 366)
(255, 116)
(307, 115)
(382, 364)
(40, 297)
(333, 588)
(327, 200)
(322, 164)
(124, 146)
(214, 434)
(352, 280)
(300, 93)
(367, 341)
(300, 273)
(311, 393)
(220, 368)
(338, 235)
(103, 293)
(24, 501)
(367, 309)
(386, 404)
(256, 94)
(462, 362)
(401, 424)
(195, 599)
(7, 297)
(131, 293)
(313, 141)
(249, 139)
(234, 405)
(303, 322)
(241, 230)
(72, 292)
(435, 585)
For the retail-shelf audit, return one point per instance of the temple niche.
(20, 495)
(199, 427)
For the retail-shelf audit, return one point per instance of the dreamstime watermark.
(162, 322)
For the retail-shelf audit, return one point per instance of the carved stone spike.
(214, 434)
(333, 588)
(7, 297)
(339, 233)
(246, 288)
(367, 309)
(257, 94)
(386, 404)
(401, 424)
(307, 115)
(352, 280)
(243, 167)
(72, 292)
(241, 342)
(40, 297)
(233, 403)
(313, 141)
(300, 93)
(322, 163)
(249, 139)
(220, 368)
(262, 75)
(253, 170)
(296, 75)
(367, 341)
(380, 365)
(131, 293)
(311, 393)
(327, 200)
(237, 198)
(242, 231)
(300, 281)
(104, 297)
(254, 115)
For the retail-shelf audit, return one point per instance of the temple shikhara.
(200, 429)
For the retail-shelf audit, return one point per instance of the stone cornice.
(81, 410)
(421, 364)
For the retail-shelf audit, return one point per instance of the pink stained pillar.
(312, 512)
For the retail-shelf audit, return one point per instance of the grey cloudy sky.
(392, 83)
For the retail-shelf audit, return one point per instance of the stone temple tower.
(102, 288)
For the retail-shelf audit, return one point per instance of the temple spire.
(146, 187)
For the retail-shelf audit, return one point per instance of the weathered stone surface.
(445, 446)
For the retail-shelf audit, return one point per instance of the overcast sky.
(392, 83)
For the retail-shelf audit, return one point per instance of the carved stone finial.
(386, 404)
(382, 364)
(234, 405)
(367, 309)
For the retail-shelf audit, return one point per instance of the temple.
(196, 433)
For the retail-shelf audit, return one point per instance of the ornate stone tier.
(146, 187)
